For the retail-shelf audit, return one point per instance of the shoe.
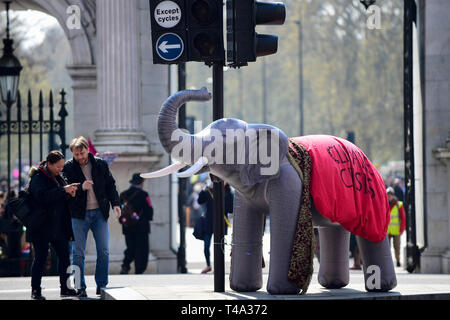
(207, 269)
(99, 291)
(36, 294)
(66, 292)
(398, 264)
(355, 268)
(81, 293)
(125, 270)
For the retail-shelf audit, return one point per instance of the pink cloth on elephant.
(346, 187)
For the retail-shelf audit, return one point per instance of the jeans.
(41, 246)
(95, 221)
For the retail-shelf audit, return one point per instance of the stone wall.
(436, 113)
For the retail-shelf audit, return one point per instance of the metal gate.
(23, 128)
(26, 121)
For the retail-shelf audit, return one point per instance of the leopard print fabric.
(301, 266)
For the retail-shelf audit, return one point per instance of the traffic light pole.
(219, 222)
(181, 255)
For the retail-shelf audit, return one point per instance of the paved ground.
(196, 286)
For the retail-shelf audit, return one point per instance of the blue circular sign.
(169, 46)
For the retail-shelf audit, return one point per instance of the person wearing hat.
(397, 224)
(135, 222)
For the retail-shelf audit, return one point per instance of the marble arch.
(82, 41)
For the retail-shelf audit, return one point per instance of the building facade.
(118, 91)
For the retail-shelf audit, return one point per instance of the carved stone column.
(118, 95)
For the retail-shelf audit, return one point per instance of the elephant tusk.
(165, 171)
(194, 169)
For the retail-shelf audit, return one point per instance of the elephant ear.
(267, 148)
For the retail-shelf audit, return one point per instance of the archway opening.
(44, 51)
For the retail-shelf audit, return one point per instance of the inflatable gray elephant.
(305, 182)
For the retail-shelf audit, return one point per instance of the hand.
(74, 190)
(87, 185)
(118, 211)
(71, 189)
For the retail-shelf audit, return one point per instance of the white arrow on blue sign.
(169, 46)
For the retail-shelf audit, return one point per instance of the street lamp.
(367, 3)
(9, 67)
(9, 80)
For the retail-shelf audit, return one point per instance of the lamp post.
(367, 3)
(10, 68)
(409, 18)
(300, 66)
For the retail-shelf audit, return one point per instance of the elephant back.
(346, 187)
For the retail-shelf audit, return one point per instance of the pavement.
(196, 286)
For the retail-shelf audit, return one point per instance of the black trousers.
(14, 251)
(41, 246)
(137, 250)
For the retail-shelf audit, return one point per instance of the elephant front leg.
(246, 259)
(379, 272)
(334, 263)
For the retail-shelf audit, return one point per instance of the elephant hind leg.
(379, 272)
(334, 262)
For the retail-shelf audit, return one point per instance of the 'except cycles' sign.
(167, 14)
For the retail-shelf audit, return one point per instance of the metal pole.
(300, 62)
(264, 96)
(219, 223)
(62, 115)
(19, 133)
(412, 251)
(181, 255)
(8, 122)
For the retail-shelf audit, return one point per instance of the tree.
(352, 76)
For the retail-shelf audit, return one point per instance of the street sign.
(167, 14)
(169, 46)
(169, 32)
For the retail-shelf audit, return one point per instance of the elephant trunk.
(167, 117)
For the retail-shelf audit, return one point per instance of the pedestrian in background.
(228, 203)
(355, 253)
(206, 197)
(397, 224)
(14, 235)
(136, 225)
(90, 209)
(50, 221)
(398, 190)
(196, 210)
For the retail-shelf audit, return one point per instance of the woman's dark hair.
(54, 156)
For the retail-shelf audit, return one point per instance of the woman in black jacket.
(50, 221)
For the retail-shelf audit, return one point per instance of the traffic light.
(169, 36)
(205, 31)
(243, 43)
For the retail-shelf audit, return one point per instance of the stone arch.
(82, 41)
(83, 69)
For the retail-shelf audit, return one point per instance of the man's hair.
(79, 143)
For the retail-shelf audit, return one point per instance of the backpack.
(129, 217)
(20, 207)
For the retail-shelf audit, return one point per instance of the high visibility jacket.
(397, 222)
